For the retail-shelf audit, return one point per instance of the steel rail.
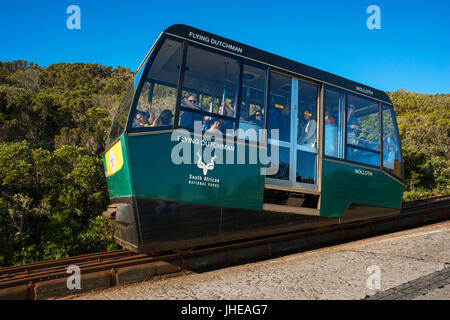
(115, 260)
(56, 262)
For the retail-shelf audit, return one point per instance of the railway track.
(105, 269)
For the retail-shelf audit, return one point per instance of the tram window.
(157, 99)
(283, 163)
(333, 123)
(252, 98)
(306, 167)
(307, 114)
(205, 123)
(363, 137)
(213, 80)
(121, 115)
(280, 106)
(391, 143)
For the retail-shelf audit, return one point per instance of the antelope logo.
(202, 165)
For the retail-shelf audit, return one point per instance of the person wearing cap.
(308, 132)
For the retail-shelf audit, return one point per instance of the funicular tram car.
(333, 142)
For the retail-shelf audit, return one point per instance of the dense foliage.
(424, 125)
(53, 127)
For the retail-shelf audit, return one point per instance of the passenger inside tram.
(191, 102)
(307, 134)
(226, 110)
(244, 114)
(144, 118)
(329, 115)
(187, 119)
(164, 119)
(257, 118)
(217, 127)
(256, 115)
(141, 119)
(279, 118)
(333, 123)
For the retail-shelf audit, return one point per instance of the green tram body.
(158, 204)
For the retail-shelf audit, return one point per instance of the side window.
(279, 113)
(210, 85)
(279, 109)
(306, 132)
(334, 123)
(253, 93)
(391, 143)
(307, 114)
(157, 99)
(121, 116)
(363, 130)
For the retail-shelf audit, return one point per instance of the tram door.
(293, 111)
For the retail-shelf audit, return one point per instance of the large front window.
(210, 88)
(120, 117)
(157, 101)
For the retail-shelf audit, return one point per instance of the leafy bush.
(424, 125)
(53, 126)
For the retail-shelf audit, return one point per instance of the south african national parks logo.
(202, 165)
(204, 180)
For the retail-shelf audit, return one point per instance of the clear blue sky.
(410, 51)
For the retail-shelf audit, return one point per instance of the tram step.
(289, 209)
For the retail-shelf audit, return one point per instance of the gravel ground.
(347, 271)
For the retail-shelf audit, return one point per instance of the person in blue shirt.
(187, 118)
(279, 118)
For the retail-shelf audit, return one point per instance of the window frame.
(394, 119)
(379, 152)
(344, 116)
(266, 69)
(236, 119)
(344, 129)
(138, 88)
(380, 166)
(109, 141)
(180, 88)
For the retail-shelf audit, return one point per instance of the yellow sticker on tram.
(279, 106)
(114, 158)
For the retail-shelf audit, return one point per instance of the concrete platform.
(412, 264)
